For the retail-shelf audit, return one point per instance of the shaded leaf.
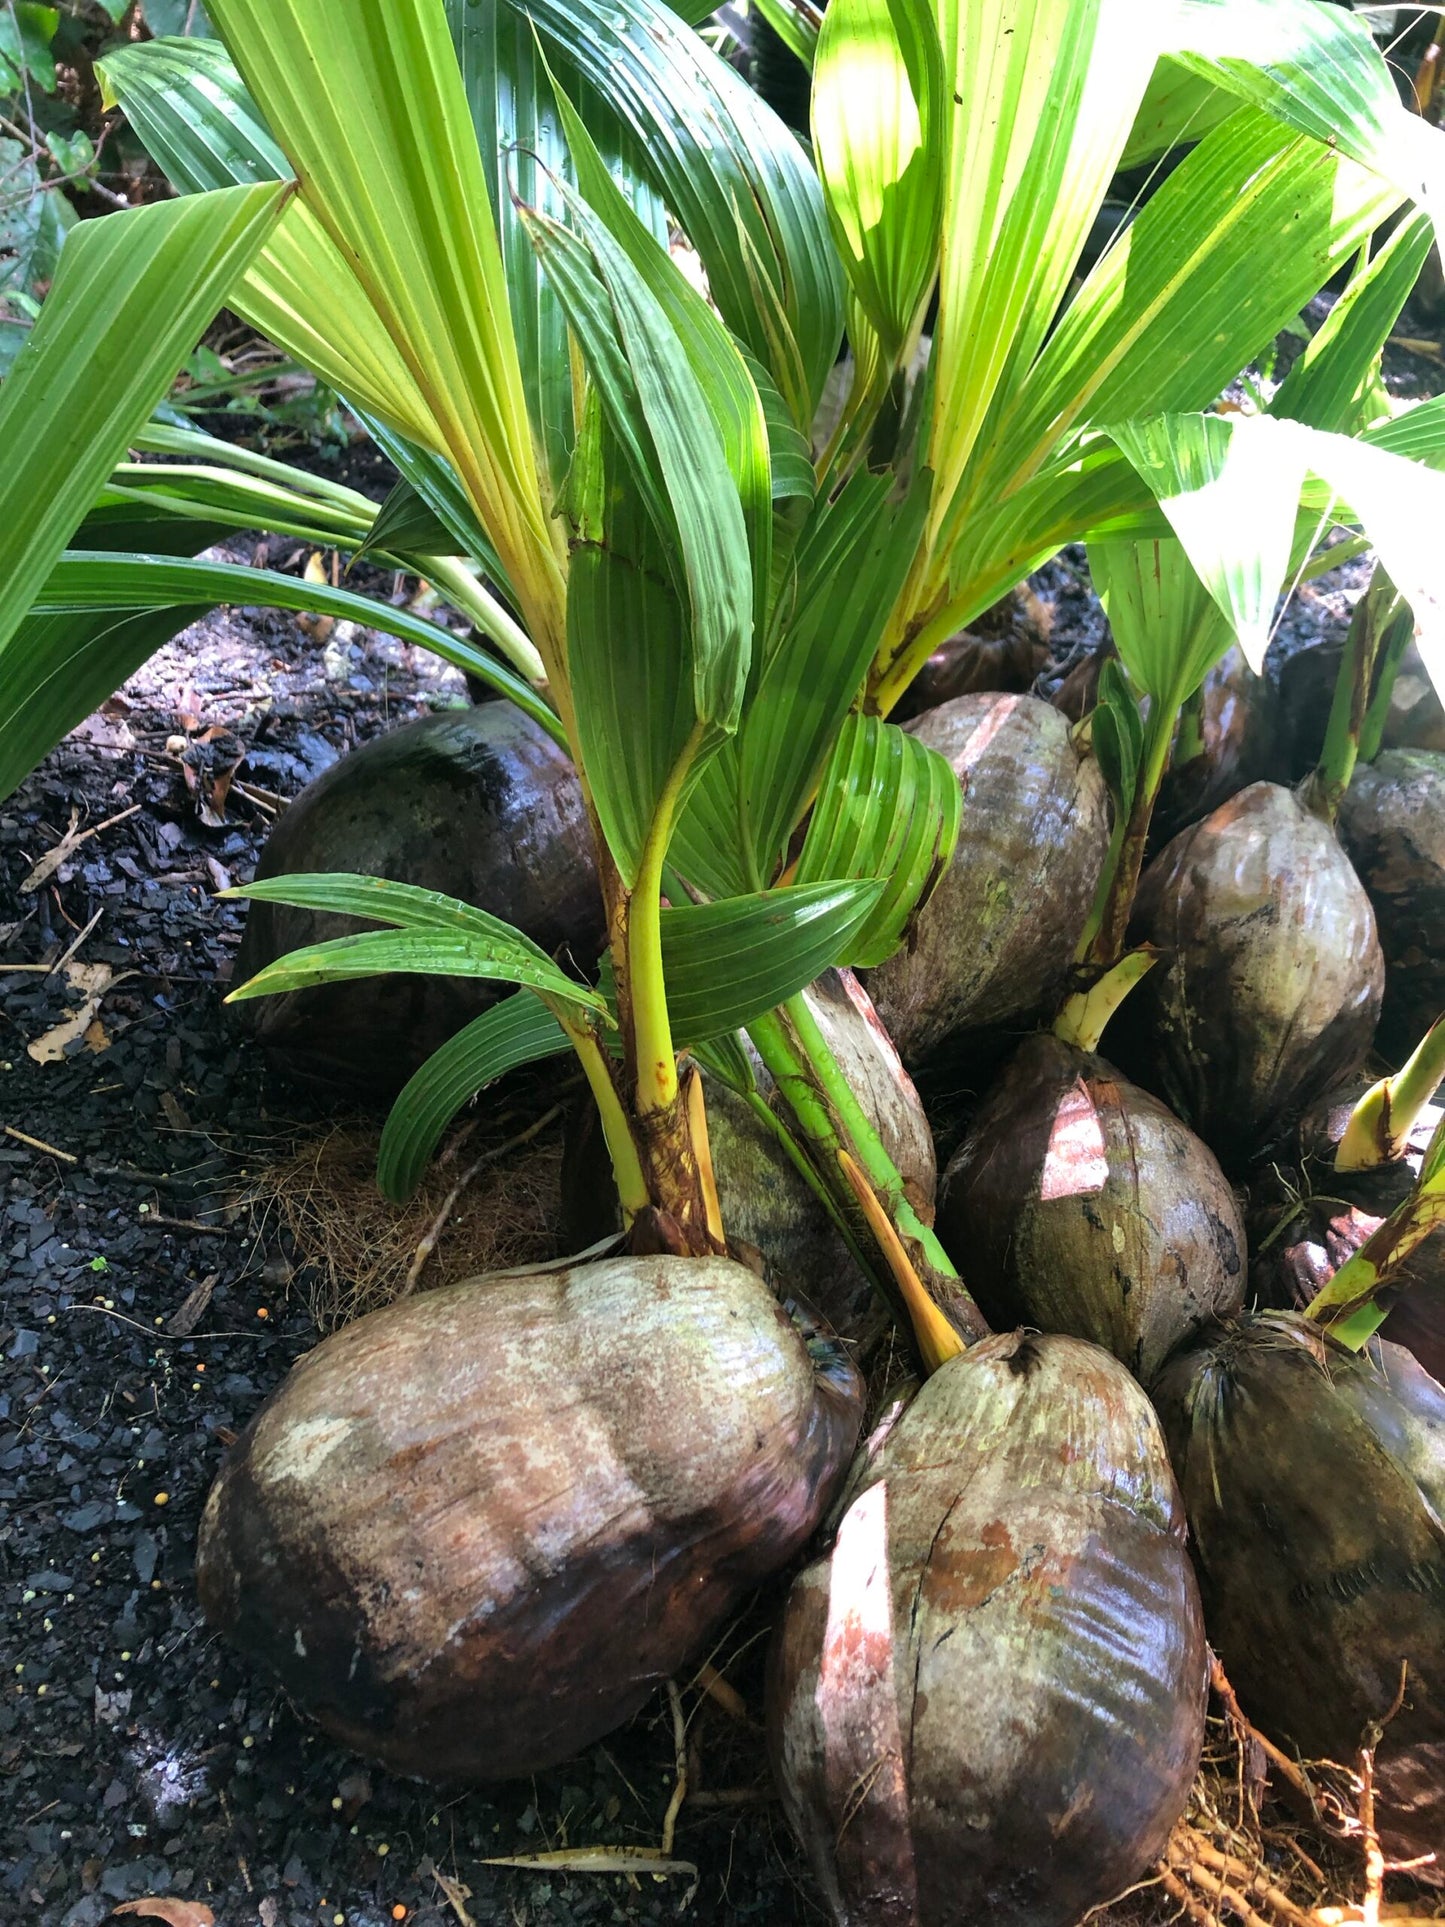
(518, 1030)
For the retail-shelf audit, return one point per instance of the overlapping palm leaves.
(476, 259)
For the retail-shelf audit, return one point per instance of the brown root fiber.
(356, 1250)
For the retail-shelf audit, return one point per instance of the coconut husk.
(1239, 726)
(471, 1533)
(479, 804)
(1270, 982)
(1392, 822)
(1314, 1481)
(987, 1700)
(1080, 1204)
(995, 941)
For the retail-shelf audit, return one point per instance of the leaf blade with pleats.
(889, 808)
(726, 963)
(196, 119)
(131, 295)
(882, 170)
(429, 932)
(734, 176)
(387, 156)
(518, 1030)
(663, 422)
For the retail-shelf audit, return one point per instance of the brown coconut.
(1271, 978)
(471, 1533)
(1078, 1203)
(1314, 1481)
(1392, 823)
(996, 939)
(987, 1701)
(478, 803)
(1238, 727)
(766, 1202)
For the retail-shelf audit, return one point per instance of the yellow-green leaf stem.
(1348, 1307)
(632, 1190)
(1085, 1016)
(1381, 1123)
(833, 1123)
(652, 1030)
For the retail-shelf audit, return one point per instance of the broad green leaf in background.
(1207, 469)
(734, 176)
(518, 1030)
(79, 659)
(1178, 106)
(797, 23)
(26, 31)
(1417, 432)
(1168, 629)
(191, 109)
(131, 294)
(430, 933)
(1317, 69)
(388, 160)
(1232, 499)
(878, 133)
(889, 808)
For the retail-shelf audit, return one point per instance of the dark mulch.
(137, 1755)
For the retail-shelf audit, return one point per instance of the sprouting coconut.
(987, 1700)
(1270, 984)
(1314, 1481)
(1354, 1163)
(1078, 1203)
(473, 1532)
(1226, 741)
(997, 936)
(1392, 822)
(767, 1201)
(478, 803)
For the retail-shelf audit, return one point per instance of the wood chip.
(193, 1308)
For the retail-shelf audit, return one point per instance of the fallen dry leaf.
(175, 1913)
(93, 981)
